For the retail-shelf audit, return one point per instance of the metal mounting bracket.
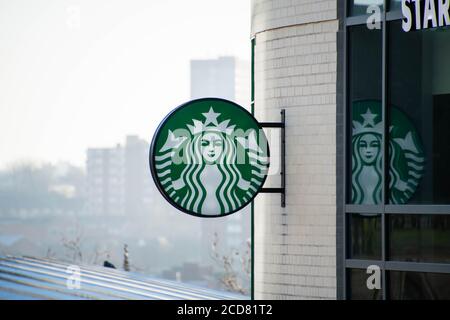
(282, 126)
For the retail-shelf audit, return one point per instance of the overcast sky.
(77, 74)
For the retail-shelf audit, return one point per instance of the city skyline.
(68, 62)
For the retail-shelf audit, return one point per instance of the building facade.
(366, 86)
(295, 61)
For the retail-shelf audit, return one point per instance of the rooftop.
(31, 278)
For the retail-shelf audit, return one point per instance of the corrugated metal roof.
(32, 278)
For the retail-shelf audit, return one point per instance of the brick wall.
(295, 69)
(272, 14)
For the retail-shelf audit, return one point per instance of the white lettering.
(187, 310)
(430, 14)
(407, 22)
(374, 281)
(374, 20)
(444, 17)
(74, 280)
(418, 18)
(435, 11)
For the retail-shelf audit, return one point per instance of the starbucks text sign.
(209, 157)
(424, 14)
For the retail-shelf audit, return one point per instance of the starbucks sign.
(209, 157)
(424, 14)
(406, 156)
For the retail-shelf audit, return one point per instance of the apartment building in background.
(117, 179)
(225, 77)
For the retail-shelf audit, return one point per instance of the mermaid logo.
(406, 157)
(209, 157)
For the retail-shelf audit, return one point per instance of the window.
(359, 7)
(419, 286)
(358, 287)
(365, 90)
(419, 101)
(396, 137)
(395, 5)
(419, 238)
(365, 237)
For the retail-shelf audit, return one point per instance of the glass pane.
(358, 286)
(419, 286)
(419, 238)
(395, 5)
(359, 7)
(419, 101)
(365, 237)
(365, 88)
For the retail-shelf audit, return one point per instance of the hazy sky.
(77, 74)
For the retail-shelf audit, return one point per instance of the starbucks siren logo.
(209, 157)
(406, 157)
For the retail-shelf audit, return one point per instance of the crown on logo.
(368, 126)
(211, 118)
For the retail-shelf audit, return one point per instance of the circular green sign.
(209, 157)
(406, 155)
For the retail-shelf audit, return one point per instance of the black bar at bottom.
(272, 190)
(272, 124)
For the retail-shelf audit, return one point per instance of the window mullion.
(385, 139)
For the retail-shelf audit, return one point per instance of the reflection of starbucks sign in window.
(406, 157)
(209, 157)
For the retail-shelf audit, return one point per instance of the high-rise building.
(118, 181)
(137, 179)
(105, 181)
(224, 77)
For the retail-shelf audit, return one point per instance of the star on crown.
(368, 125)
(210, 118)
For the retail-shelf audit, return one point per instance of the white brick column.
(295, 69)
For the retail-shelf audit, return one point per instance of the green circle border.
(152, 157)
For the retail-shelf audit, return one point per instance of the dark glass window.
(395, 5)
(419, 238)
(365, 237)
(419, 102)
(359, 7)
(358, 286)
(365, 89)
(419, 286)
